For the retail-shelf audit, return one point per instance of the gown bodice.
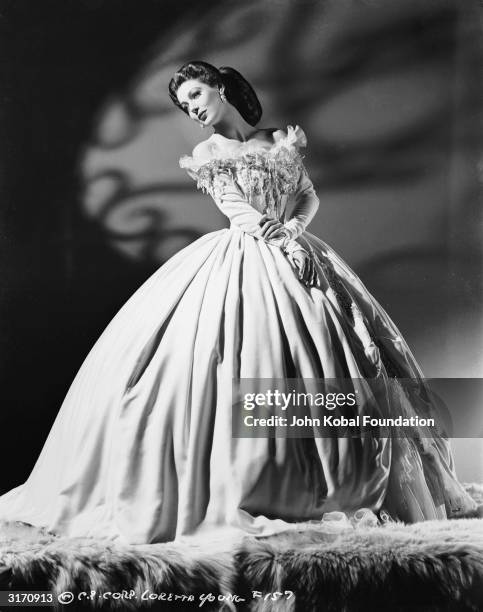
(248, 179)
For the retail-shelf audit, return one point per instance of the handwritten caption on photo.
(47, 598)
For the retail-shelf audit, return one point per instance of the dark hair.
(238, 90)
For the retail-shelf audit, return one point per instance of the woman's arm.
(306, 200)
(305, 207)
(231, 200)
(234, 204)
(243, 215)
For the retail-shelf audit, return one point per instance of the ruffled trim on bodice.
(264, 172)
(292, 141)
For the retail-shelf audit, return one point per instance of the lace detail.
(258, 171)
(338, 288)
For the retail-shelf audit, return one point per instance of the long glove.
(234, 204)
(231, 200)
(305, 207)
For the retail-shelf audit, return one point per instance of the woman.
(142, 449)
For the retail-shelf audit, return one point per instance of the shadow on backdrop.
(388, 95)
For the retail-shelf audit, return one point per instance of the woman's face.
(201, 101)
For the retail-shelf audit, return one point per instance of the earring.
(222, 95)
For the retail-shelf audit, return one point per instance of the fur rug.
(431, 566)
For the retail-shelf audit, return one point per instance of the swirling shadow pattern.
(380, 91)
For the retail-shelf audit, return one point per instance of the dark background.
(400, 201)
(61, 282)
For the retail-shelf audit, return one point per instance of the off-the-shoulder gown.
(142, 448)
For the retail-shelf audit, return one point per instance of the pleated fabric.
(142, 448)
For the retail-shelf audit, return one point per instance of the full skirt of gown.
(142, 449)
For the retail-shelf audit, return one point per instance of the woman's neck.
(234, 128)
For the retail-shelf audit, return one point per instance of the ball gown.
(142, 448)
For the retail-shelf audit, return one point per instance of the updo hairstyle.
(238, 90)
